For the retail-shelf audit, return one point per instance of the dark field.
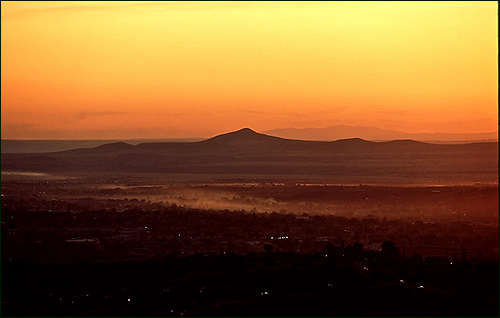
(123, 245)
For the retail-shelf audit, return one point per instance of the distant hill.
(247, 152)
(377, 134)
(243, 135)
(39, 146)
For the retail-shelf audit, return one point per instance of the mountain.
(374, 133)
(246, 152)
(243, 135)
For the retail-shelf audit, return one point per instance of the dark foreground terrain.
(97, 247)
(355, 283)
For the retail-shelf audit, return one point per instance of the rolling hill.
(375, 133)
(247, 152)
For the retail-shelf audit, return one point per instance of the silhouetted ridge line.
(247, 141)
(332, 133)
(243, 135)
(248, 152)
(115, 146)
(352, 140)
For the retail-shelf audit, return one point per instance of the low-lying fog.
(358, 201)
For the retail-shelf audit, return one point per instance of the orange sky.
(77, 69)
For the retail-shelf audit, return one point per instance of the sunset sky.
(97, 70)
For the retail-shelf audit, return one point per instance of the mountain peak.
(246, 131)
(242, 135)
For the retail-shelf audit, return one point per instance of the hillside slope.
(249, 152)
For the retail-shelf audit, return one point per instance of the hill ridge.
(372, 133)
(243, 135)
(246, 152)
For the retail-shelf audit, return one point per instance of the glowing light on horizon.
(77, 70)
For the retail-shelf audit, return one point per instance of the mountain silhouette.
(251, 153)
(115, 146)
(375, 133)
(242, 135)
